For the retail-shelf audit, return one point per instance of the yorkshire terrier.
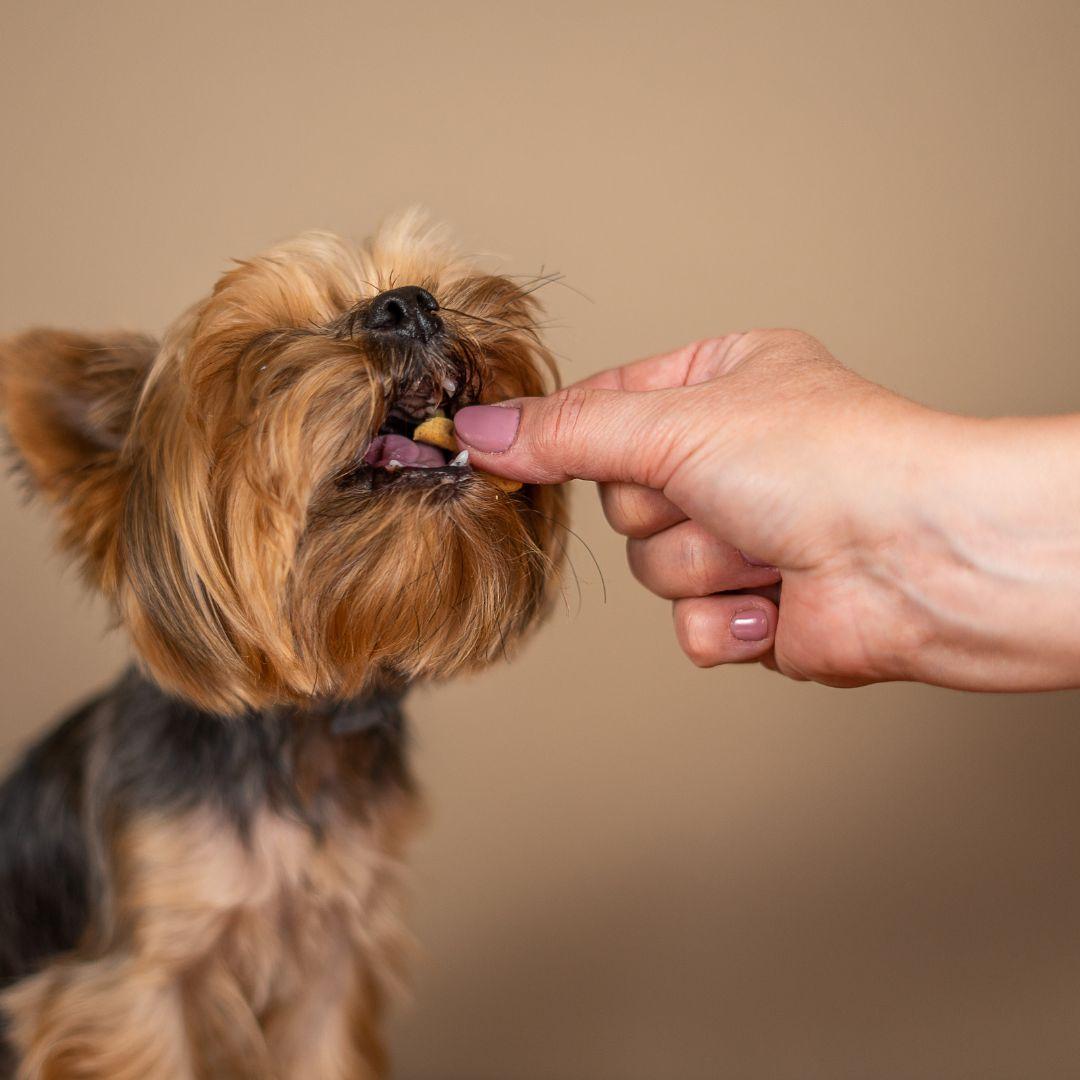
(200, 868)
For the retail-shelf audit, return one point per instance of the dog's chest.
(309, 907)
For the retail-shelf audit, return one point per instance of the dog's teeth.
(450, 386)
(461, 459)
(393, 463)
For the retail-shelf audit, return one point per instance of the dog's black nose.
(408, 312)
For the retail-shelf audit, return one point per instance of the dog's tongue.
(387, 448)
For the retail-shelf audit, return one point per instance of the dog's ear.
(67, 401)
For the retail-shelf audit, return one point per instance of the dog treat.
(439, 431)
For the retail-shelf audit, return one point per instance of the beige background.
(634, 870)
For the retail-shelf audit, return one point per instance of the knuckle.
(695, 635)
(620, 504)
(563, 418)
(694, 564)
(635, 559)
(799, 339)
(799, 347)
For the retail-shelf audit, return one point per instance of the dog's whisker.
(562, 525)
(560, 280)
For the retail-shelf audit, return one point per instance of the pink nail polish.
(750, 625)
(488, 428)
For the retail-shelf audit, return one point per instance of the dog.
(201, 869)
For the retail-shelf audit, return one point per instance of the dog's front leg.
(148, 994)
(108, 1018)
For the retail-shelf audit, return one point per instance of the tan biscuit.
(439, 431)
(503, 483)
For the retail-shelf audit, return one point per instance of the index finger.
(636, 511)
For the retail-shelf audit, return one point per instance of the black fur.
(44, 865)
(135, 749)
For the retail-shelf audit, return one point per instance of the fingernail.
(750, 625)
(488, 428)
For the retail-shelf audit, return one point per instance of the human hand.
(855, 498)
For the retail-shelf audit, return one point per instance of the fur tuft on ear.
(67, 401)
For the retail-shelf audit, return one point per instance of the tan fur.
(228, 960)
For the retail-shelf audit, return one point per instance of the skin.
(911, 544)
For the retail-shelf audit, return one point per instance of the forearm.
(991, 572)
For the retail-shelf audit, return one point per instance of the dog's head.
(247, 492)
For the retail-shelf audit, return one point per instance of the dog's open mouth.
(394, 458)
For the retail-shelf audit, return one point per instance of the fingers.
(685, 560)
(714, 630)
(686, 564)
(582, 432)
(632, 510)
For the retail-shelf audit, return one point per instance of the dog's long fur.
(200, 870)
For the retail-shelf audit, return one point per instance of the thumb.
(577, 432)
